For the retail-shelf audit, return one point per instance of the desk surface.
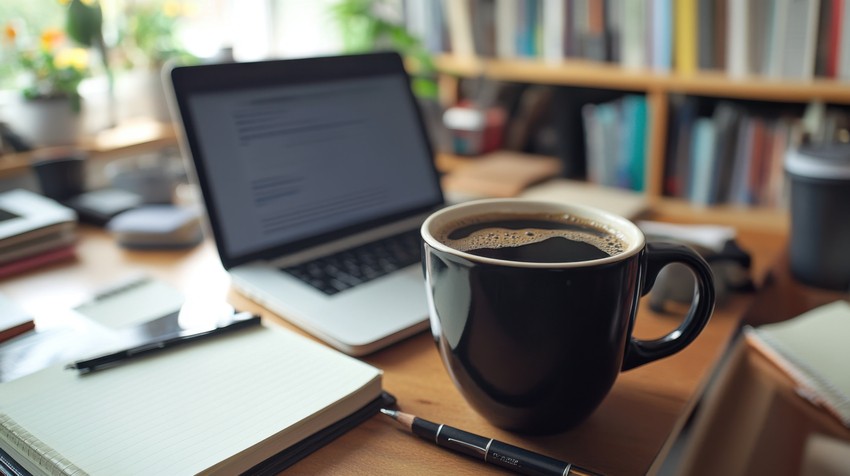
(628, 434)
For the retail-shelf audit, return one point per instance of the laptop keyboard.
(346, 269)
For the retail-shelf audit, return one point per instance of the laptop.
(308, 169)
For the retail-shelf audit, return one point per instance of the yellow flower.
(64, 2)
(77, 58)
(51, 38)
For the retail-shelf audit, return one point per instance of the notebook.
(812, 349)
(223, 406)
(304, 158)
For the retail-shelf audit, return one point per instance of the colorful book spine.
(686, 36)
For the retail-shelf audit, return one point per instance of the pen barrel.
(463, 442)
(524, 461)
(500, 454)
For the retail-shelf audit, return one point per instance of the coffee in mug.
(532, 306)
(532, 238)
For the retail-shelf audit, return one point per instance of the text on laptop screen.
(292, 162)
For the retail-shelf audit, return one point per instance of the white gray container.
(820, 215)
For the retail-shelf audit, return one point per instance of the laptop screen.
(287, 165)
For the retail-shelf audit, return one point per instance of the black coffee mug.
(536, 346)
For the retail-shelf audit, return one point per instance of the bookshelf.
(658, 88)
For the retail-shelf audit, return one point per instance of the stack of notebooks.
(34, 230)
(254, 401)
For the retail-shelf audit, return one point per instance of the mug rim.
(628, 231)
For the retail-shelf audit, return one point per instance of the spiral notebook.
(225, 406)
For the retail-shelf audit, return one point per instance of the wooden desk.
(628, 434)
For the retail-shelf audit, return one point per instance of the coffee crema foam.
(582, 230)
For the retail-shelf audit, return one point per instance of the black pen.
(490, 450)
(237, 321)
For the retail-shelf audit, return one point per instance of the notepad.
(218, 407)
(813, 349)
(132, 303)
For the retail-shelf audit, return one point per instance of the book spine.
(834, 37)
(506, 28)
(737, 52)
(633, 49)
(661, 13)
(460, 27)
(554, 17)
(35, 450)
(686, 36)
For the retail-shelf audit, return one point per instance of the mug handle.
(658, 256)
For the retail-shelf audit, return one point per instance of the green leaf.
(84, 22)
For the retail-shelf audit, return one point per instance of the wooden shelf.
(585, 73)
(772, 220)
(137, 136)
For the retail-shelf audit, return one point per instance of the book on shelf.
(636, 124)
(505, 18)
(812, 349)
(633, 31)
(615, 135)
(737, 38)
(483, 14)
(739, 161)
(686, 29)
(727, 118)
(843, 54)
(661, 36)
(459, 24)
(257, 400)
(426, 20)
(721, 33)
(553, 31)
(594, 40)
(797, 22)
(703, 158)
(826, 41)
(576, 12)
(706, 31)
(739, 180)
(785, 39)
(528, 22)
(613, 10)
(683, 113)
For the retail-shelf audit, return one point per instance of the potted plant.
(51, 71)
(150, 41)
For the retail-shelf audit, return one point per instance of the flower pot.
(46, 121)
(142, 94)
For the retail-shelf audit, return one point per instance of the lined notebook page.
(184, 411)
(813, 349)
